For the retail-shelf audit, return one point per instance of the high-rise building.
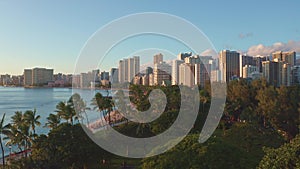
(202, 73)
(259, 60)
(248, 70)
(136, 65)
(149, 70)
(69, 79)
(114, 75)
(203, 70)
(151, 79)
(37, 76)
(246, 60)
(229, 65)
(158, 58)
(186, 74)
(41, 76)
(128, 68)
(123, 70)
(199, 66)
(272, 72)
(215, 76)
(84, 80)
(295, 71)
(214, 64)
(193, 60)
(277, 72)
(27, 77)
(76, 81)
(89, 79)
(277, 55)
(162, 73)
(104, 75)
(181, 56)
(286, 74)
(5, 80)
(145, 80)
(96, 74)
(121, 73)
(126, 73)
(131, 69)
(287, 57)
(16, 80)
(175, 71)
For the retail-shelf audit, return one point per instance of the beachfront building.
(128, 68)
(37, 76)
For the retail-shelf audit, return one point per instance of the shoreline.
(46, 87)
(71, 88)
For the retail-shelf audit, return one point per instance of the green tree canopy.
(286, 156)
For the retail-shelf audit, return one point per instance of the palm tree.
(3, 130)
(103, 104)
(73, 106)
(17, 118)
(19, 132)
(98, 103)
(32, 119)
(61, 110)
(14, 137)
(83, 109)
(122, 106)
(53, 121)
(25, 137)
(65, 111)
(79, 106)
(108, 104)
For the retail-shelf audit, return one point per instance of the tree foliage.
(240, 147)
(65, 146)
(286, 156)
(256, 115)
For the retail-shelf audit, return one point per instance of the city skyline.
(278, 68)
(45, 35)
(144, 65)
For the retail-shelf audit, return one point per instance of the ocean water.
(44, 100)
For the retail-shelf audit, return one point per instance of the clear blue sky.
(52, 33)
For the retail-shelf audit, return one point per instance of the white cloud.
(261, 49)
(209, 52)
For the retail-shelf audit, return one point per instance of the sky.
(52, 34)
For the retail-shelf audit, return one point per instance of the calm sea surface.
(44, 100)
